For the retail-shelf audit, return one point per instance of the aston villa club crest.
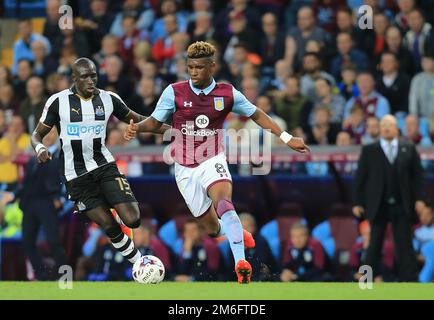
(219, 104)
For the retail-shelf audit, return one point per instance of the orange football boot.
(243, 270)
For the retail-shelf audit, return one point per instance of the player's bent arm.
(150, 124)
(264, 121)
(38, 134)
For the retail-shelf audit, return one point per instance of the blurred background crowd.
(306, 63)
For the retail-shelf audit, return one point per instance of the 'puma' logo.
(76, 110)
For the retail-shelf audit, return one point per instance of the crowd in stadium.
(305, 63)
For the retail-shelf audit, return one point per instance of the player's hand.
(358, 211)
(131, 131)
(43, 155)
(298, 145)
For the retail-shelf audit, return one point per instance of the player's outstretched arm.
(264, 121)
(150, 124)
(159, 128)
(42, 153)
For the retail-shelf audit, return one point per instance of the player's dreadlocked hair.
(200, 49)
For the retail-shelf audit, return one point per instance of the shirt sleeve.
(50, 114)
(242, 106)
(120, 109)
(165, 105)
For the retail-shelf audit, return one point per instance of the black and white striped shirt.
(82, 124)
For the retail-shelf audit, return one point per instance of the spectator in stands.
(199, 6)
(32, 106)
(8, 102)
(312, 70)
(180, 42)
(298, 37)
(343, 139)
(304, 257)
(43, 64)
(51, 25)
(373, 42)
(24, 72)
(163, 48)
(55, 83)
(412, 132)
(258, 134)
(223, 19)
(323, 131)
(73, 41)
(348, 87)
(424, 242)
(239, 33)
(393, 84)
(404, 56)
(294, 107)
(12, 144)
(97, 25)
(239, 59)
(355, 124)
(200, 260)
(168, 7)
(325, 12)
(145, 17)
(326, 96)
(129, 40)
(372, 131)
(109, 47)
(418, 36)
(344, 21)
(347, 53)
(401, 18)
(204, 29)
(387, 190)
(421, 99)
(22, 47)
(250, 88)
(5, 75)
(359, 251)
(114, 77)
(272, 43)
(275, 85)
(373, 103)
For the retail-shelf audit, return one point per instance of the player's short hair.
(200, 49)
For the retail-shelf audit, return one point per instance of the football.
(148, 269)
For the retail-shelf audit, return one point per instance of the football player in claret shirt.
(198, 108)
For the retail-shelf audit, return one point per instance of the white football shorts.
(193, 183)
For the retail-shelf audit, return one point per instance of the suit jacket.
(370, 179)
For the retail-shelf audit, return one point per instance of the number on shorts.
(124, 185)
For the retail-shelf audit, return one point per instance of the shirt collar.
(206, 91)
(385, 143)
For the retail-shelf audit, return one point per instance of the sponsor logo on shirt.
(78, 130)
(202, 121)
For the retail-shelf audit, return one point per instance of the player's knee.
(132, 222)
(223, 205)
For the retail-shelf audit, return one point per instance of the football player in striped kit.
(89, 171)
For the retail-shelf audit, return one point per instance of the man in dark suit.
(40, 201)
(388, 188)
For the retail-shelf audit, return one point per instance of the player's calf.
(122, 243)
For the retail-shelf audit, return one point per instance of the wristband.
(285, 137)
(38, 147)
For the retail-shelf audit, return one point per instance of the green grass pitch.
(214, 291)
